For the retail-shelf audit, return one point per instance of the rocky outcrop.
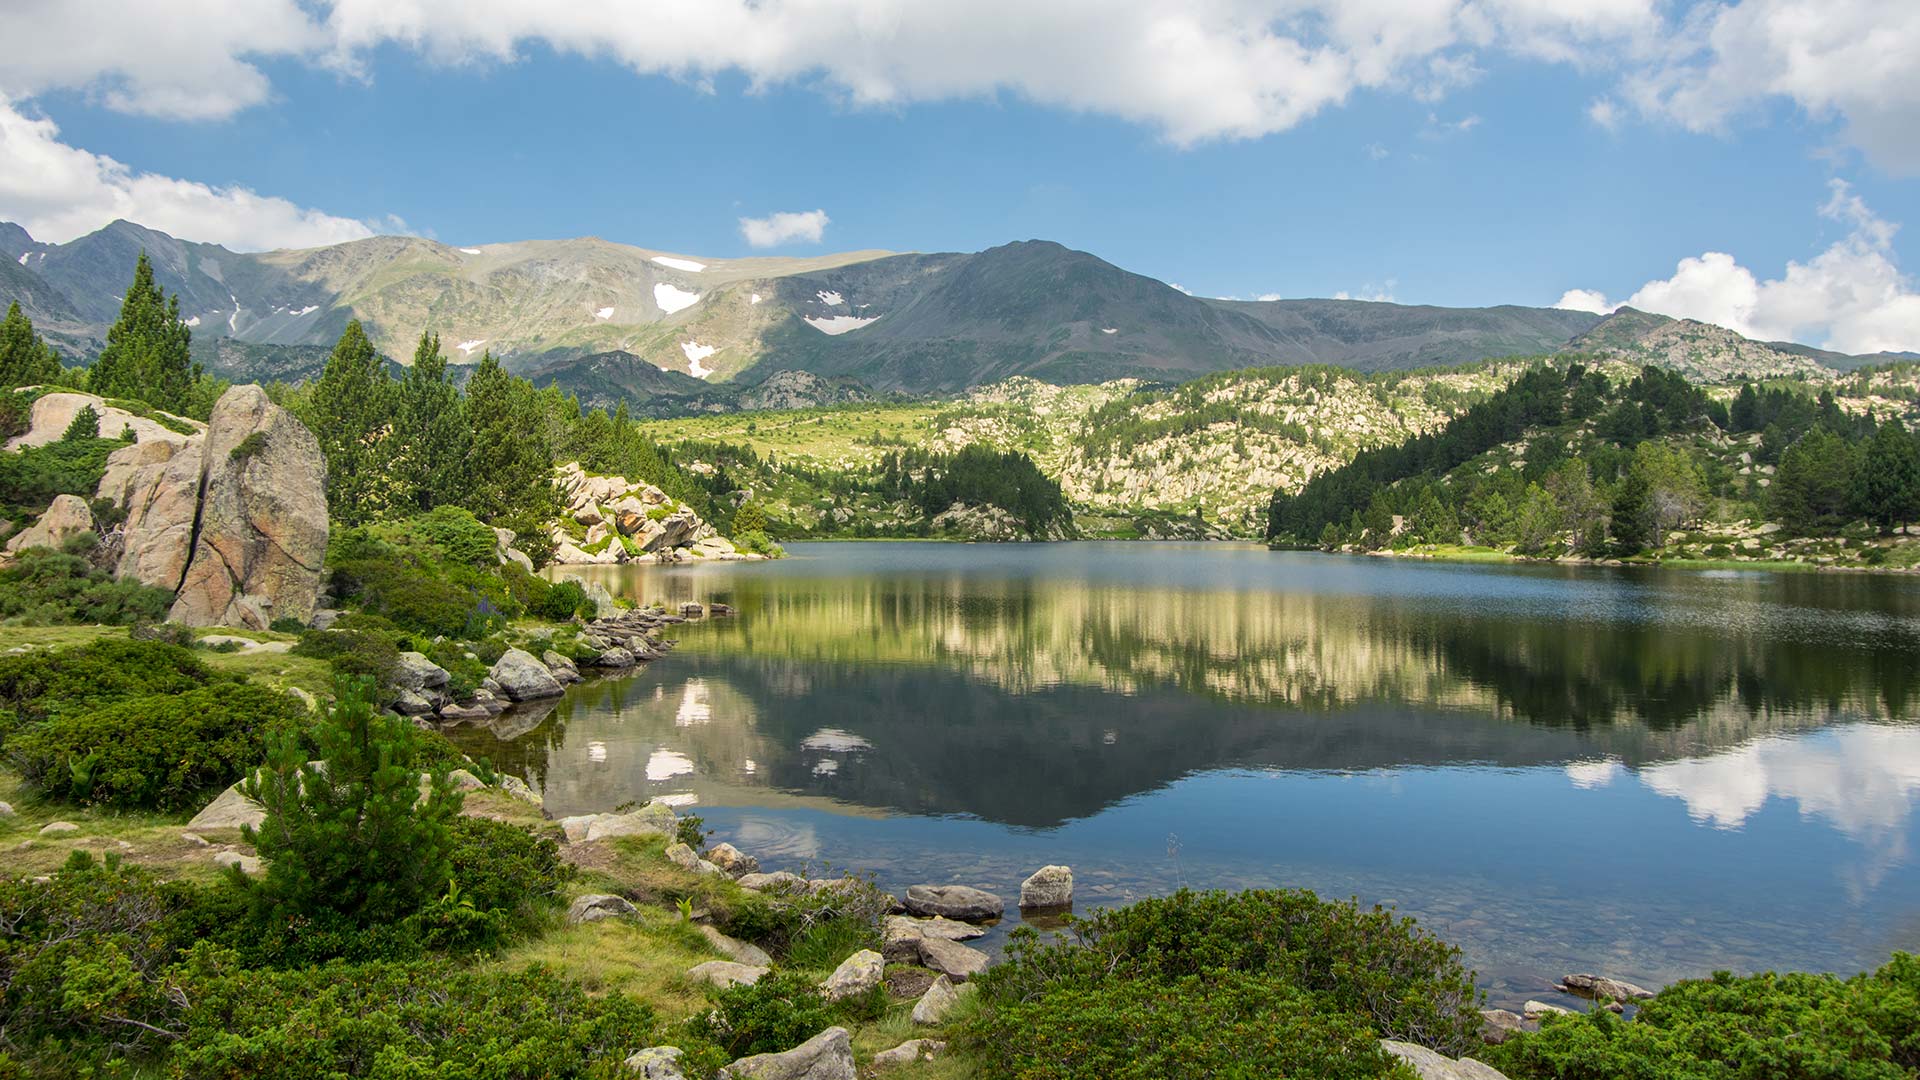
(65, 518)
(826, 1056)
(231, 518)
(52, 413)
(607, 519)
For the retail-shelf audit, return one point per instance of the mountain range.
(612, 321)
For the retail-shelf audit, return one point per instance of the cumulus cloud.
(58, 192)
(1852, 297)
(785, 227)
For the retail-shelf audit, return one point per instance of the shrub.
(352, 653)
(1230, 1025)
(781, 1011)
(1761, 1027)
(247, 447)
(51, 588)
(458, 534)
(565, 600)
(161, 752)
(30, 478)
(345, 841)
(37, 685)
(1368, 966)
(756, 542)
(413, 1019)
(505, 867)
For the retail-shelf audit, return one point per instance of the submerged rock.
(1599, 986)
(955, 902)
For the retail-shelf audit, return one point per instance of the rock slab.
(596, 906)
(856, 975)
(656, 1063)
(522, 677)
(936, 1003)
(1430, 1065)
(954, 902)
(826, 1056)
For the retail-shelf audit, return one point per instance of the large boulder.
(1599, 986)
(952, 959)
(229, 810)
(826, 1056)
(856, 975)
(51, 414)
(523, 677)
(725, 973)
(593, 907)
(1431, 1065)
(66, 517)
(954, 902)
(416, 672)
(261, 536)
(162, 500)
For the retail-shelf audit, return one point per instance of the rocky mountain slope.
(1701, 351)
(918, 323)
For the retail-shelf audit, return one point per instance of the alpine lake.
(1647, 773)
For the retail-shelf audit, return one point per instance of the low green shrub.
(1230, 1025)
(160, 752)
(42, 587)
(506, 867)
(30, 478)
(400, 1020)
(565, 600)
(1760, 1027)
(458, 534)
(38, 685)
(352, 653)
(781, 1011)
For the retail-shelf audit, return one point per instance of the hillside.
(915, 323)
(1701, 351)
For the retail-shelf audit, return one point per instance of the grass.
(647, 957)
(147, 839)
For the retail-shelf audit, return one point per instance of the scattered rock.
(952, 959)
(910, 1051)
(560, 667)
(1049, 887)
(1534, 1010)
(596, 906)
(58, 828)
(416, 672)
(656, 1063)
(249, 865)
(6, 810)
(856, 975)
(464, 780)
(777, 879)
(734, 949)
(518, 788)
(1430, 1065)
(826, 1056)
(901, 935)
(455, 713)
(725, 973)
(522, 677)
(937, 1002)
(1599, 986)
(1500, 1025)
(194, 839)
(615, 657)
(229, 810)
(412, 703)
(653, 819)
(955, 902)
(732, 860)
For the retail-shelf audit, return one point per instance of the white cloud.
(785, 227)
(58, 192)
(1852, 297)
(1851, 60)
(1605, 112)
(1379, 294)
(1585, 300)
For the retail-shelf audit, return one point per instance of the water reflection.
(1665, 740)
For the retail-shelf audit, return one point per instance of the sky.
(1747, 163)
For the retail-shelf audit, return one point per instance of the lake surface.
(1652, 774)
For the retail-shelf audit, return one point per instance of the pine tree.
(148, 353)
(351, 413)
(433, 430)
(1887, 484)
(1813, 484)
(346, 842)
(25, 360)
(85, 425)
(510, 467)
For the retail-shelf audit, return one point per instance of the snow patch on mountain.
(25, 255)
(467, 347)
(751, 300)
(195, 321)
(308, 310)
(233, 320)
(673, 299)
(470, 251)
(1109, 329)
(697, 352)
(672, 263)
(604, 313)
(830, 298)
(840, 324)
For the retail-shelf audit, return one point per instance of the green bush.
(756, 542)
(352, 653)
(30, 478)
(161, 752)
(38, 685)
(506, 868)
(1761, 1027)
(1360, 969)
(458, 534)
(781, 1011)
(42, 587)
(565, 600)
(1229, 1025)
(399, 1020)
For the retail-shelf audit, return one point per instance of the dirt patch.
(908, 982)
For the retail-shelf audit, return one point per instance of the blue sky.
(1529, 176)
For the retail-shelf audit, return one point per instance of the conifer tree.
(148, 353)
(434, 431)
(351, 413)
(346, 842)
(25, 360)
(1887, 484)
(510, 468)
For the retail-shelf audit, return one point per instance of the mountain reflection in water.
(1360, 725)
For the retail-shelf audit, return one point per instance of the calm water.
(1653, 774)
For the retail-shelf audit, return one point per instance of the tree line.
(1610, 469)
